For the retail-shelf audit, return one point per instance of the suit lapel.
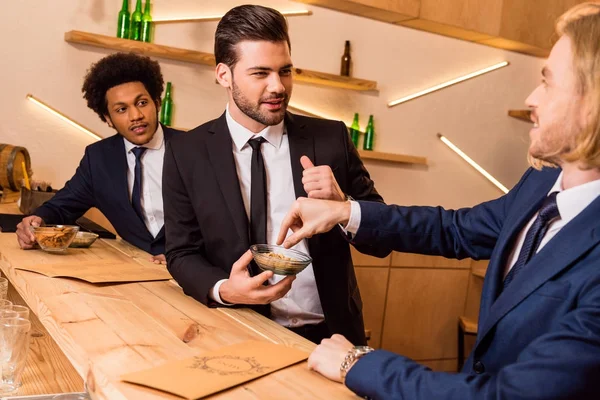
(515, 222)
(301, 144)
(117, 166)
(220, 151)
(571, 242)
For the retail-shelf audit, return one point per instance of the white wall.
(37, 60)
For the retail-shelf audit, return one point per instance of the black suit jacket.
(207, 226)
(101, 181)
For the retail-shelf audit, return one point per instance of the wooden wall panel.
(445, 30)
(532, 21)
(422, 310)
(382, 10)
(475, 15)
(524, 26)
(363, 260)
(373, 283)
(418, 260)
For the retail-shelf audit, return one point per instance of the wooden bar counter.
(111, 329)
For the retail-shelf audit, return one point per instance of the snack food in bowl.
(278, 259)
(54, 237)
(84, 239)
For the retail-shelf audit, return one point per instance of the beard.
(253, 110)
(555, 140)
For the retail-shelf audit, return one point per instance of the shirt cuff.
(354, 221)
(214, 293)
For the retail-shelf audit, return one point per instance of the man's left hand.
(327, 358)
(159, 259)
(319, 182)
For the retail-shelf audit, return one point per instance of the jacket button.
(478, 367)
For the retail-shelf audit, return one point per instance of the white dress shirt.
(152, 166)
(301, 305)
(570, 203)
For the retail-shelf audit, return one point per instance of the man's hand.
(24, 235)
(319, 182)
(327, 358)
(159, 259)
(241, 288)
(311, 216)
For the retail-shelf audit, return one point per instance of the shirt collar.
(240, 135)
(155, 143)
(572, 201)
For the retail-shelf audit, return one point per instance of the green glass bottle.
(369, 135)
(166, 109)
(135, 31)
(123, 22)
(355, 131)
(147, 24)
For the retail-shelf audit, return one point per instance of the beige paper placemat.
(212, 372)
(101, 271)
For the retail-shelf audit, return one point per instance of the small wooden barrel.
(11, 171)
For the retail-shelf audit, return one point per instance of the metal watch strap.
(353, 354)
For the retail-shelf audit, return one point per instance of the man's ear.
(108, 121)
(223, 74)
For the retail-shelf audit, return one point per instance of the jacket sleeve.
(72, 201)
(185, 246)
(561, 364)
(361, 187)
(467, 232)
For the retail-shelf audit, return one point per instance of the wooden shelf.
(396, 158)
(199, 57)
(523, 115)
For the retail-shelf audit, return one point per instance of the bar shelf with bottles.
(365, 148)
(202, 58)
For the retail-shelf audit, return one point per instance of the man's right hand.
(308, 217)
(24, 235)
(241, 288)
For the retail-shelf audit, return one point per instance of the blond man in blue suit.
(539, 321)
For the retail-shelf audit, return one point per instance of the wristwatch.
(353, 354)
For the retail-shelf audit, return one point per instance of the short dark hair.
(117, 69)
(248, 22)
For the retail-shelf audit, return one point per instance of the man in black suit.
(228, 183)
(122, 174)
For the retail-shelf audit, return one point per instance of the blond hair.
(581, 24)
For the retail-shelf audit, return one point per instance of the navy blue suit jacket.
(538, 339)
(101, 181)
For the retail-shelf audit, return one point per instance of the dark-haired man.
(228, 183)
(122, 174)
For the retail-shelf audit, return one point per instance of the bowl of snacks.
(54, 238)
(84, 239)
(278, 259)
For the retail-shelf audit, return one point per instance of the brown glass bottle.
(346, 60)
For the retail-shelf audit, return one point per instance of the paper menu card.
(101, 271)
(214, 371)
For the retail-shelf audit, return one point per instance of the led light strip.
(207, 18)
(472, 163)
(448, 83)
(62, 116)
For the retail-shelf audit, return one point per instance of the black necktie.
(535, 234)
(136, 193)
(258, 197)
